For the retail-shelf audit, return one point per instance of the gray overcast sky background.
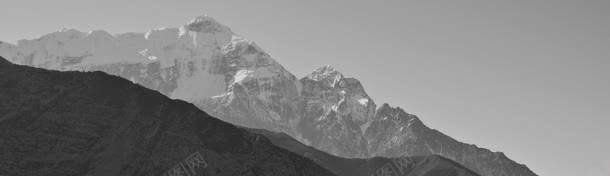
(530, 78)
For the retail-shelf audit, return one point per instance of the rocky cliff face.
(75, 123)
(205, 63)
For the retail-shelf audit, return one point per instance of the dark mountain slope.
(432, 165)
(75, 123)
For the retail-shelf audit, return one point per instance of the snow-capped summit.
(206, 24)
(61, 35)
(99, 34)
(231, 78)
(324, 72)
(327, 75)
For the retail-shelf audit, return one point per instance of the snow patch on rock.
(363, 101)
(241, 75)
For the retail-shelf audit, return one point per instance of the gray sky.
(528, 78)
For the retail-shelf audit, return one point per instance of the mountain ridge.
(233, 79)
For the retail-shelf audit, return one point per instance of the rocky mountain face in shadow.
(432, 165)
(203, 62)
(75, 123)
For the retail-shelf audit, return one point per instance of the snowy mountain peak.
(326, 74)
(206, 24)
(326, 68)
(69, 30)
(61, 35)
(399, 114)
(99, 34)
(230, 77)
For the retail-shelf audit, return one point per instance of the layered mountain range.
(431, 165)
(229, 77)
(95, 124)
